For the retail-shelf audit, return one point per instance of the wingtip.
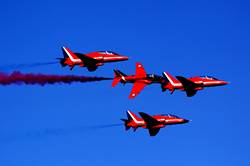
(132, 96)
(139, 64)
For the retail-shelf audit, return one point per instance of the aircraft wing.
(137, 88)
(86, 59)
(188, 86)
(140, 71)
(153, 131)
(149, 120)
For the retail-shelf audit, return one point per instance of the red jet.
(140, 79)
(190, 85)
(91, 60)
(152, 123)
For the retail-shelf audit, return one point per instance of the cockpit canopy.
(209, 77)
(108, 52)
(154, 76)
(170, 115)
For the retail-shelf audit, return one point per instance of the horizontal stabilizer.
(137, 88)
(116, 81)
(62, 61)
(125, 124)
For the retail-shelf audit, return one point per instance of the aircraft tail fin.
(118, 76)
(118, 73)
(67, 53)
(132, 117)
(168, 77)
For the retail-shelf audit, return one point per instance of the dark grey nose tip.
(185, 121)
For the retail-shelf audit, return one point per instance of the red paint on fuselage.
(164, 119)
(146, 80)
(105, 57)
(92, 59)
(102, 58)
(202, 82)
(140, 80)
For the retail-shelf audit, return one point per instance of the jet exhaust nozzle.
(126, 124)
(62, 61)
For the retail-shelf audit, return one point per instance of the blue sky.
(182, 37)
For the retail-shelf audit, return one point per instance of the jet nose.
(185, 121)
(114, 58)
(224, 83)
(123, 58)
(221, 82)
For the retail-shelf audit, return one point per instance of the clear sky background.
(49, 125)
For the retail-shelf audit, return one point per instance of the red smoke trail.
(42, 79)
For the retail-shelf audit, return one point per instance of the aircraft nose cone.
(220, 82)
(224, 83)
(185, 121)
(114, 58)
(124, 58)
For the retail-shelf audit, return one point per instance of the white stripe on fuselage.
(70, 56)
(211, 82)
(171, 81)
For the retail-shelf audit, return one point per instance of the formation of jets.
(140, 80)
(167, 81)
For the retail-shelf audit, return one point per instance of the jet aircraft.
(152, 123)
(190, 85)
(140, 79)
(90, 60)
